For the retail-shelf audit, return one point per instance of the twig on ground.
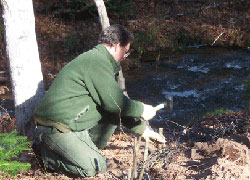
(112, 175)
(184, 127)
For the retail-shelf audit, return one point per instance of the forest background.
(67, 28)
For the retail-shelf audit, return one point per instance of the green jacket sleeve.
(135, 125)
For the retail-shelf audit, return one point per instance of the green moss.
(218, 112)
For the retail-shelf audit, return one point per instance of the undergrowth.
(218, 112)
(11, 145)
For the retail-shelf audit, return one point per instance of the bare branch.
(218, 37)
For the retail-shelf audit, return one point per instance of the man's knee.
(56, 163)
(72, 153)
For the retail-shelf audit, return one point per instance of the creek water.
(200, 81)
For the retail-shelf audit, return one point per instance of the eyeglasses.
(126, 54)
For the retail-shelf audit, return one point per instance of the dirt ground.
(214, 148)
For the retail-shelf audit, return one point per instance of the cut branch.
(145, 157)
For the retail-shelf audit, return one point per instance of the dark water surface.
(200, 81)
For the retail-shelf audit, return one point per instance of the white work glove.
(149, 133)
(148, 112)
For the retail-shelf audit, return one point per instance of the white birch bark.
(103, 17)
(104, 20)
(25, 67)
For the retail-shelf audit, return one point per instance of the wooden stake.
(161, 134)
(134, 170)
(129, 174)
(161, 131)
(145, 157)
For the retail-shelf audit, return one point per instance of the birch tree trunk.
(24, 63)
(104, 20)
(103, 17)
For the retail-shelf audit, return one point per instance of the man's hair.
(115, 34)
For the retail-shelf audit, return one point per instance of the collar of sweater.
(103, 50)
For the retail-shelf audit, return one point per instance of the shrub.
(11, 145)
(147, 40)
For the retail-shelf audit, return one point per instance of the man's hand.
(149, 112)
(148, 133)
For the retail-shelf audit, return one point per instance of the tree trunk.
(24, 63)
(104, 20)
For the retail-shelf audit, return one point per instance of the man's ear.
(116, 46)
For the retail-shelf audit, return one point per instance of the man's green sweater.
(84, 89)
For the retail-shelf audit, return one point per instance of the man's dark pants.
(76, 153)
